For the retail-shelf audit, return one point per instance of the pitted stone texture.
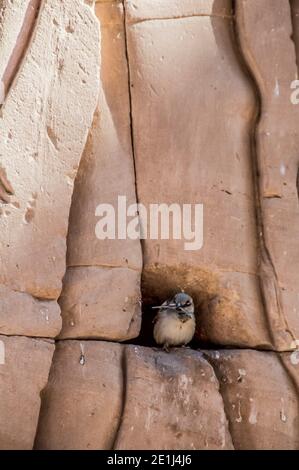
(101, 293)
(24, 372)
(260, 398)
(12, 16)
(82, 402)
(44, 131)
(172, 402)
(101, 303)
(20, 312)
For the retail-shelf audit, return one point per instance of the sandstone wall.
(159, 101)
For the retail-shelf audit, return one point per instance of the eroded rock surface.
(103, 395)
(274, 68)
(101, 294)
(83, 399)
(43, 133)
(194, 107)
(24, 369)
(172, 402)
(261, 399)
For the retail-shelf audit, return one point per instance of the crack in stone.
(293, 35)
(180, 17)
(130, 97)
(124, 366)
(104, 266)
(225, 409)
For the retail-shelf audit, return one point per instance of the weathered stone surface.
(199, 96)
(159, 9)
(103, 303)
(16, 25)
(101, 295)
(260, 398)
(273, 67)
(43, 133)
(107, 167)
(172, 402)
(181, 159)
(20, 312)
(83, 399)
(23, 374)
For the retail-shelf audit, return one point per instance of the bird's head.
(181, 302)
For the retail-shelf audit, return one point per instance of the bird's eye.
(188, 303)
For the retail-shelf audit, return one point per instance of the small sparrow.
(175, 321)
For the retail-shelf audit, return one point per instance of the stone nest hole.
(161, 282)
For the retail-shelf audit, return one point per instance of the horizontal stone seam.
(168, 18)
(99, 2)
(104, 266)
(41, 299)
(90, 338)
(237, 271)
(47, 339)
(215, 347)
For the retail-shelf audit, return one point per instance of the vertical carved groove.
(225, 408)
(254, 161)
(264, 252)
(130, 95)
(294, 10)
(22, 44)
(124, 367)
(266, 268)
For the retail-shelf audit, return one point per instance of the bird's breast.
(173, 329)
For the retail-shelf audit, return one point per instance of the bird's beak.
(188, 314)
(164, 306)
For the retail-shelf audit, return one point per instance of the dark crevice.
(267, 271)
(295, 26)
(195, 344)
(41, 396)
(124, 367)
(225, 408)
(130, 85)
